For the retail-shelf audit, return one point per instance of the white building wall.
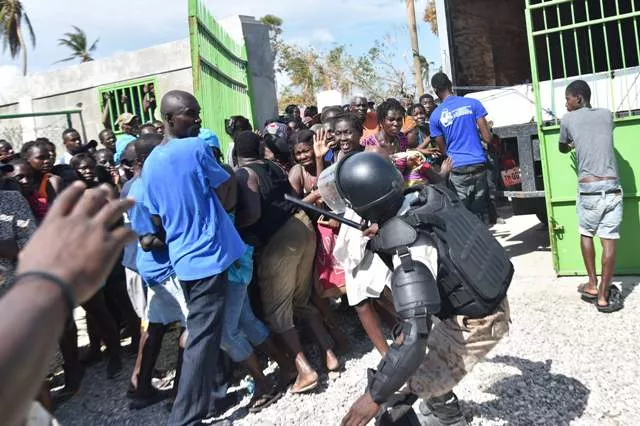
(77, 87)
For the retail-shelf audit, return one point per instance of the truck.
(517, 57)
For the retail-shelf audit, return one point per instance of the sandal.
(263, 401)
(615, 301)
(307, 388)
(587, 297)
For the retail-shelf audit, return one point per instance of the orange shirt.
(370, 126)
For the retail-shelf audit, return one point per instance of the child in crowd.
(166, 303)
(38, 156)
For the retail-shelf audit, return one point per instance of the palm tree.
(413, 33)
(77, 42)
(12, 18)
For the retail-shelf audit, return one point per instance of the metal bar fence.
(127, 96)
(570, 38)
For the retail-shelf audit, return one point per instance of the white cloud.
(322, 35)
(135, 24)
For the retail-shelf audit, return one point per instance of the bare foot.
(305, 382)
(589, 288)
(333, 363)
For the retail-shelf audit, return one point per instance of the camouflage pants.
(455, 346)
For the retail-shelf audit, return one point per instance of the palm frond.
(94, 45)
(70, 58)
(30, 28)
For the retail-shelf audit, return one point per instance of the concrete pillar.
(28, 124)
(261, 70)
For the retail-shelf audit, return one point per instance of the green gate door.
(220, 75)
(597, 41)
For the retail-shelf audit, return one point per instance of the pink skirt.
(330, 275)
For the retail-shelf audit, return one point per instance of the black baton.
(310, 207)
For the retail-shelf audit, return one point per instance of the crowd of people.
(221, 253)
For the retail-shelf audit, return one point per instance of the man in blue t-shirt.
(454, 125)
(179, 180)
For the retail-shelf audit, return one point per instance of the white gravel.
(563, 363)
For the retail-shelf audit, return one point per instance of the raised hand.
(320, 144)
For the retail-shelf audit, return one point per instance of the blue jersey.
(455, 120)
(180, 177)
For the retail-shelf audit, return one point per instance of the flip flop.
(587, 297)
(337, 372)
(307, 388)
(266, 400)
(615, 301)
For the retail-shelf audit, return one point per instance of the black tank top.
(273, 183)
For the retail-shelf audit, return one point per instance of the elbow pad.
(400, 361)
(416, 297)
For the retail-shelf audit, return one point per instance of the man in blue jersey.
(454, 125)
(180, 177)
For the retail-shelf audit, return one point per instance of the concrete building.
(167, 65)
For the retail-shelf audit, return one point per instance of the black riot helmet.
(371, 185)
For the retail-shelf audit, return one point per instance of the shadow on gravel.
(537, 396)
(533, 239)
(627, 284)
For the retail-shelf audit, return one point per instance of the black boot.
(442, 410)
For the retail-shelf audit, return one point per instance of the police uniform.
(449, 279)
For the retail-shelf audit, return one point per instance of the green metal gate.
(220, 74)
(597, 41)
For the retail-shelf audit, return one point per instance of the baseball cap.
(279, 130)
(125, 118)
(6, 168)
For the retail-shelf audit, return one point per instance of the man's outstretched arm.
(64, 264)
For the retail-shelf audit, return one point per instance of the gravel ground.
(563, 362)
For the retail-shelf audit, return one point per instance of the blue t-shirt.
(121, 144)
(131, 249)
(153, 266)
(455, 119)
(180, 177)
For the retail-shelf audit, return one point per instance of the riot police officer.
(445, 264)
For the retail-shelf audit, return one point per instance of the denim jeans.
(472, 190)
(241, 330)
(600, 215)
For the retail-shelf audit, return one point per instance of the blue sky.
(125, 25)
